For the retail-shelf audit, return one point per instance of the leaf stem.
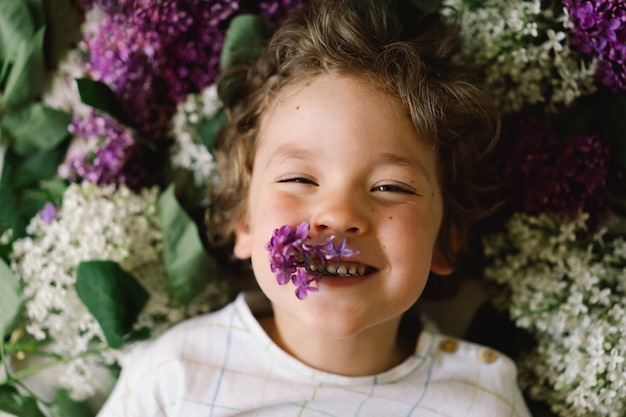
(5, 365)
(16, 376)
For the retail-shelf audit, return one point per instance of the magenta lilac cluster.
(293, 260)
(599, 30)
(111, 158)
(548, 174)
(153, 53)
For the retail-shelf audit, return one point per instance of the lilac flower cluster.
(291, 259)
(549, 175)
(154, 53)
(599, 29)
(111, 156)
(275, 11)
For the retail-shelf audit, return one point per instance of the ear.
(440, 265)
(243, 240)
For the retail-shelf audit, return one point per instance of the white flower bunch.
(569, 292)
(93, 223)
(525, 50)
(188, 151)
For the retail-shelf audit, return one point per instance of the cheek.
(410, 237)
(272, 210)
(267, 213)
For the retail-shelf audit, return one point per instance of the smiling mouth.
(346, 270)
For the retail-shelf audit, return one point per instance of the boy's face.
(345, 157)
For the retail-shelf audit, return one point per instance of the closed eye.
(393, 189)
(300, 180)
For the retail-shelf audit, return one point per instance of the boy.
(361, 126)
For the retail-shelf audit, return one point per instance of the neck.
(374, 350)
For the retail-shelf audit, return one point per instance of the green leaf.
(31, 170)
(10, 299)
(18, 209)
(26, 79)
(31, 201)
(245, 39)
(15, 25)
(25, 186)
(63, 20)
(187, 263)
(100, 96)
(112, 295)
(55, 188)
(64, 406)
(17, 404)
(9, 213)
(36, 127)
(35, 8)
(209, 129)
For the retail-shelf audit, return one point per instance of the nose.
(340, 215)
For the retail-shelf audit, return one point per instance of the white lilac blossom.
(62, 92)
(567, 288)
(188, 151)
(525, 50)
(93, 223)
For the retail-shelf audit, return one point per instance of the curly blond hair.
(404, 53)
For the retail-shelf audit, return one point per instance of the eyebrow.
(400, 160)
(290, 151)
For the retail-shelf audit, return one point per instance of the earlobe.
(243, 241)
(440, 265)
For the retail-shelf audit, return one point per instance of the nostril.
(321, 227)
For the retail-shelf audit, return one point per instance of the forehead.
(310, 112)
(360, 92)
(363, 84)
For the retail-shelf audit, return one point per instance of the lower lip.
(343, 281)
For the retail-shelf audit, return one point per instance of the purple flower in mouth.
(302, 282)
(291, 259)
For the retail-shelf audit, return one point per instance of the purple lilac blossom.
(111, 158)
(599, 30)
(152, 54)
(275, 11)
(547, 174)
(291, 259)
(48, 213)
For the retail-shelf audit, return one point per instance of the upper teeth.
(347, 270)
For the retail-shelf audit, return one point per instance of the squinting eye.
(392, 189)
(300, 180)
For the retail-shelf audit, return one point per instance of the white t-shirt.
(224, 364)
